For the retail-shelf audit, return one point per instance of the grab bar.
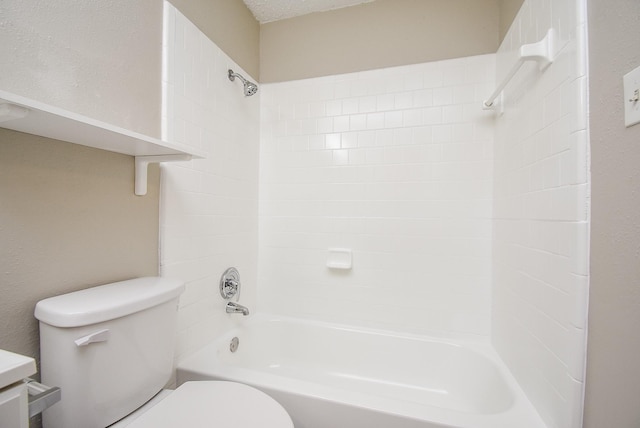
(542, 52)
(41, 397)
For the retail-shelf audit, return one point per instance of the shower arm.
(250, 88)
(233, 75)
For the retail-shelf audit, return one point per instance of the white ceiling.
(274, 10)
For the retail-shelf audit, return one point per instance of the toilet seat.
(215, 404)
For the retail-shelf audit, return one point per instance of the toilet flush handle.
(97, 336)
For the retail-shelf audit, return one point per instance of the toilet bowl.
(110, 350)
(210, 403)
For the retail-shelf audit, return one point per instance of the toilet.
(110, 350)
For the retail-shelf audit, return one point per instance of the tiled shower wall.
(209, 207)
(396, 166)
(541, 210)
(400, 166)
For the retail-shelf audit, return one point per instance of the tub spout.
(237, 308)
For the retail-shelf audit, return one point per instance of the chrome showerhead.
(250, 88)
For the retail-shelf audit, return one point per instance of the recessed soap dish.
(339, 258)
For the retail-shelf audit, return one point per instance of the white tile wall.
(541, 209)
(209, 207)
(395, 164)
(400, 166)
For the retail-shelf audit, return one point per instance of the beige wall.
(68, 219)
(375, 35)
(613, 368)
(230, 25)
(68, 214)
(388, 33)
(508, 11)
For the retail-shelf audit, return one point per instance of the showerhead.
(250, 88)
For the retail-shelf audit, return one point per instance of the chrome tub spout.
(236, 308)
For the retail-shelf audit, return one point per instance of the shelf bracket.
(141, 166)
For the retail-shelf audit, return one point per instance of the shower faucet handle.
(230, 283)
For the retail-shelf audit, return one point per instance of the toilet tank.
(109, 348)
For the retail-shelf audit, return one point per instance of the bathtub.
(336, 376)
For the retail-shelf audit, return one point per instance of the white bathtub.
(333, 376)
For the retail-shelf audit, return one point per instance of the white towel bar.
(542, 52)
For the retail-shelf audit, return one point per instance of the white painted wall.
(209, 207)
(541, 210)
(613, 373)
(100, 59)
(395, 164)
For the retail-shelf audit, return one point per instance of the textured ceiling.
(274, 10)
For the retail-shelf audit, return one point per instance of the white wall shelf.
(33, 117)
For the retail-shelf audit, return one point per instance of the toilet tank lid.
(107, 302)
